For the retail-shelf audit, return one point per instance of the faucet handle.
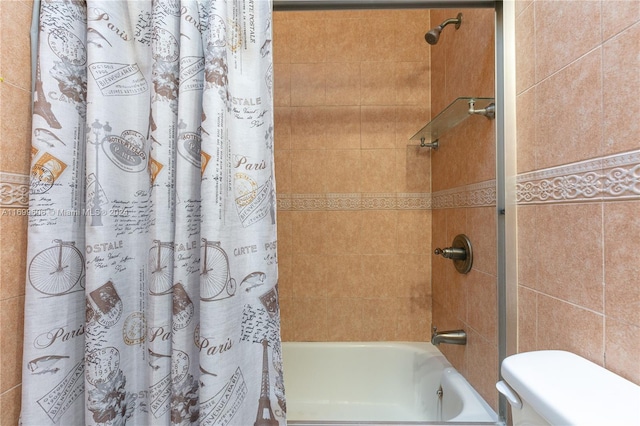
(455, 253)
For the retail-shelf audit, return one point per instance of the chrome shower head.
(433, 35)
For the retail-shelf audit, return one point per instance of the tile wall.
(15, 133)
(351, 87)
(578, 197)
(464, 197)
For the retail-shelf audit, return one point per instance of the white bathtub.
(377, 383)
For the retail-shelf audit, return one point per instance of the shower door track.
(291, 5)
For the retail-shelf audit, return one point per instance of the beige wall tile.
(344, 40)
(412, 83)
(528, 246)
(15, 136)
(526, 131)
(13, 238)
(440, 270)
(345, 319)
(459, 294)
(378, 127)
(282, 85)
(342, 232)
(456, 223)
(466, 154)
(308, 171)
(470, 69)
(482, 309)
(410, 27)
(285, 232)
(569, 255)
(521, 5)
(481, 230)
(409, 120)
(307, 38)
(378, 232)
(622, 345)
(308, 231)
(10, 402)
(573, 64)
(342, 128)
(414, 276)
(380, 275)
(343, 169)
(620, 91)
(574, 329)
(343, 124)
(342, 83)
(281, 43)
(16, 66)
(482, 366)
(527, 320)
(438, 62)
(381, 314)
(414, 319)
(282, 167)
(15, 129)
(622, 261)
(310, 319)
(11, 324)
(525, 50)
(413, 168)
(414, 232)
(308, 127)
(378, 83)
(282, 128)
(308, 84)
(309, 276)
(559, 43)
(345, 277)
(568, 113)
(378, 38)
(618, 15)
(378, 170)
(477, 146)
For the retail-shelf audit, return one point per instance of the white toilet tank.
(562, 388)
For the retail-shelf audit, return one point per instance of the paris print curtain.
(152, 270)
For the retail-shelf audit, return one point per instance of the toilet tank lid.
(567, 389)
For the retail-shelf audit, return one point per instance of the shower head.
(433, 34)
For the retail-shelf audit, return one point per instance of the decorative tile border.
(611, 178)
(14, 190)
(356, 201)
(615, 177)
(481, 194)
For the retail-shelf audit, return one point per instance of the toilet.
(561, 388)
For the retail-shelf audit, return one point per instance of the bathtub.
(377, 383)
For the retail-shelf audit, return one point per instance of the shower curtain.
(151, 294)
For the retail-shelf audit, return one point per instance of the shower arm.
(457, 21)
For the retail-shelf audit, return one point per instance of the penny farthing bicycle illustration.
(160, 265)
(216, 282)
(57, 269)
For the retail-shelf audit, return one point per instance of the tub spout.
(454, 337)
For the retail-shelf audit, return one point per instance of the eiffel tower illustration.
(265, 414)
(40, 104)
